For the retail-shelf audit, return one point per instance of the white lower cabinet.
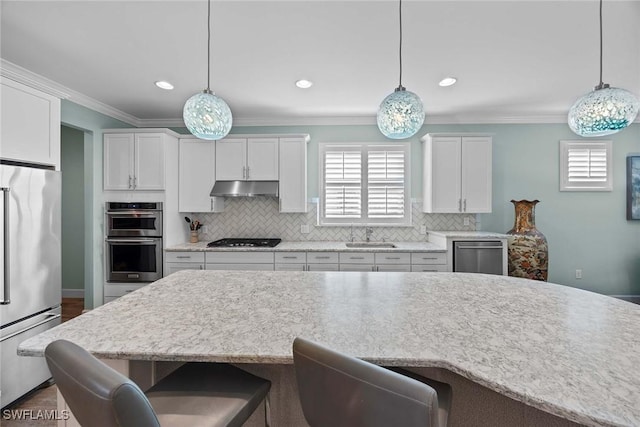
(429, 262)
(393, 261)
(357, 261)
(259, 261)
(306, 261)
(188, 260)
(116, 290)
(290, 261)
(323, 261)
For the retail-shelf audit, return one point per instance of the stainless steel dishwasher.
(483, 256)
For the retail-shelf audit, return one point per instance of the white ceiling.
(516, 61)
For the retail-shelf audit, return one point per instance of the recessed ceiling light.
(304, 84)
(164, 85)
(448, 81)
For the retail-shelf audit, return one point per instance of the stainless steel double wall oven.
(133, 241)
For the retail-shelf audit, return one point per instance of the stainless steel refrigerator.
(30, 270)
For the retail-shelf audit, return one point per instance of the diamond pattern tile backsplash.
(259, 217)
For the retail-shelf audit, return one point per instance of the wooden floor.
(43, 399)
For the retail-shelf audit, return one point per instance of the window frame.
(566, 184)
(364, 148)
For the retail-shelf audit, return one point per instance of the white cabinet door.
(118, 161)
(196, 176)
(262, 159)
(457, 174)
(30, 130)
(442, 170)
(231, 155)
(149, 162)
(476, 174)
(172, 267)
(394, 267)
(293, 175)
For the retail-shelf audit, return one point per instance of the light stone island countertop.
(309, 246)
(571, 353)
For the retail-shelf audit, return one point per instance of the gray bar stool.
(337, 390)
(196, 394)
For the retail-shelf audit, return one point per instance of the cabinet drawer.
(239, 266)
(184, 257)
(429, 268)
(172, 267)
(323, 267)
(357, 267)
(239, 257)
(429, 258)
(120, 289)
(393, 258)
(357, 257)
(291, 257)
(394, 267)
(290, 267)
(322, 257)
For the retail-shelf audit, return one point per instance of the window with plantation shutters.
(585, 166)
(364, 184)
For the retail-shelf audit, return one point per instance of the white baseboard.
(631, 298)
(72, 293)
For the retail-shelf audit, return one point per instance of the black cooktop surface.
(255, 243)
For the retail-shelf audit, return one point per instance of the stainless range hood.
(245, 189)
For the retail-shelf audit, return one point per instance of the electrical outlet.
(304, 228)
(423, 229)
(579, 274)
(466, 221)
(205, 229)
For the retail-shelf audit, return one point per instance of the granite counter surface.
(569, 352)
(308, 246)
(468, 234)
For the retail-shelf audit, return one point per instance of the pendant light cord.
(209, 46)
(400, 49)
(601, 85)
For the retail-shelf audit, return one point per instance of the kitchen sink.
(370, 245)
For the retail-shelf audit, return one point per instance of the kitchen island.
(517, 352)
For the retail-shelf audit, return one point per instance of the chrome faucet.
(351, 233)
(367, 233)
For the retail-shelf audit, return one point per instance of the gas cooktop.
(251, 243)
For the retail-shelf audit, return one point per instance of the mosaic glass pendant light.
(206, 115)
(401, 114)
(604, 111)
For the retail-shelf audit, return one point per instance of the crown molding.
(36, 81)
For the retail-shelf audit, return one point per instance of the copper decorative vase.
(528, 249)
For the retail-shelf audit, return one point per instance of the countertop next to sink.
(308, 246)
(472, 235)
(564, 351)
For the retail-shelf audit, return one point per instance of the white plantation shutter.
(365, 183)
(343, 184)
(385, 182)
(585, 166)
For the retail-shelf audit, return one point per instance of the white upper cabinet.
(134, 161)
(29, 125)
(293, 174)
(457, 173)
(247, 159)
(196, 176)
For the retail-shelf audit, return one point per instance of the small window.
(365, 183)
(585, 166)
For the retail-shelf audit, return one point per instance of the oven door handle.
(130, 214)
(151, 241)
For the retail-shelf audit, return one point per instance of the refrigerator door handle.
(49, 317)
(7, 262)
